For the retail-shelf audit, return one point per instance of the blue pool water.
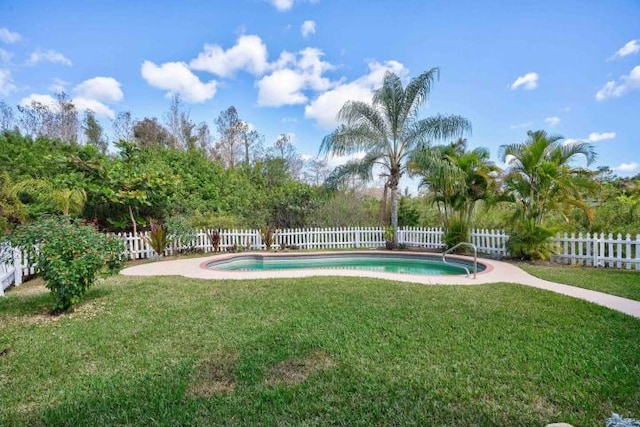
(390, 263)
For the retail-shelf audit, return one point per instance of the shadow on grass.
(18, 304)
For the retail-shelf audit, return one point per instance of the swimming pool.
(403, 263)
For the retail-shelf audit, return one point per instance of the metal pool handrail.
(475, 256)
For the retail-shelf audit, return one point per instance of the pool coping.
(497, 271)
(468, 261)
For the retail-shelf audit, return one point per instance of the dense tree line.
(53, 161)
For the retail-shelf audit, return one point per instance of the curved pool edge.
(464, 262)
(197, 268)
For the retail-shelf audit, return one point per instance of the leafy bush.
(389, 236)
(70, 255)
(456, 232)
(529, 241)
(158, 237)
(4, 226)
(214, 219)
(181, 233)
(408, 214)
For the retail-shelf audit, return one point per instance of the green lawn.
(623, 283)
(315, 351)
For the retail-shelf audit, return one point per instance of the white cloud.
(105, 89)
(308, 28)
(48, 56)
(99, 108)
(81, 104)
(5, 56)
(283, 87)
(175, 77)
(593, 137)
(335, 161)
(325, 107)
(46, 100)
(282, 5)
(8, 36)
(625, 84)
(521, 125)
(293, 75)
(249, 54)
(58, 85)
(528, 82)
(600, 136)
(6, 83)
(630, 48)
(552, 121)
(626, 167)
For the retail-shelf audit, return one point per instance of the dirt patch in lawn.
(296, 371)
(214, 376)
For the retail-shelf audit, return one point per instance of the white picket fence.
(489, 242)
(598, 250)
(11, 263)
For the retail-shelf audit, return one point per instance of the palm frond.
(576, 148)
(349, 140)
(439, 128)
(418, 90)
(361, 168)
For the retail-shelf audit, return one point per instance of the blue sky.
(570, 67)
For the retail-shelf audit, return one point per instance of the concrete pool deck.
(497, 271)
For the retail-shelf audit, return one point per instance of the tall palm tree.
(541, 178)
(456, 178)
(388, 130)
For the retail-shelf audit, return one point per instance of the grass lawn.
(315, 351)
(623, 283)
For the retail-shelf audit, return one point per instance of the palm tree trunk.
(383, 206)
(394, 212)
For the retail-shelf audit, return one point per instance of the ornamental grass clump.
(69, 255)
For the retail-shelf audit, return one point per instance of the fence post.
(17, 267)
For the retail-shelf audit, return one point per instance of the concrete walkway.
(497, 271)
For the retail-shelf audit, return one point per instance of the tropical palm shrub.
(541, 177)
(456, 180)
(455, 232)
(529, 241)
